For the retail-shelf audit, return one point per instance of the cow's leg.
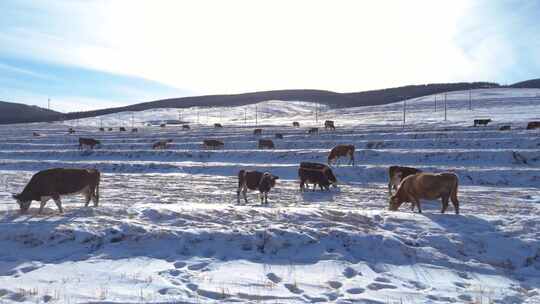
(444, 200)
(390, 186)
(87, 196)
(44, 200)
(417, 202)
(455, 202)
(58, 202)
(244, 191)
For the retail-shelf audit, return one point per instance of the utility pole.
(444, 106)
(197, 115)
(404, 110)
(245, 116)
(48, 103)
(470, 100)
(317, 113)
(256, 116)
(435, 103)
(132, 120)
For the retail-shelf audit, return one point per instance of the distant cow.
(212, 143)
(317, 174)
(134, 130)
(53, 183)
(185, 127)
(35, 134)
(110, 129)
(329, 124)
(481, 122)
(266, 143)
(313, 131)
(427, 186)
(102, 129)
(278, 136)
(71, 130)
(505, 128)
(296, 124)
(341, 151)
(533, 125)
(162, 125)
(255, 180)
(88, 142)
(396, 174)
(218, 125)
(122, 129)
(162, 144)
(257, 132)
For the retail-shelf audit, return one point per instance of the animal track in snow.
(349, 272)
(357, 290)
(293, 288)
(180, 264)
(198, 266)
(378, 286)
(335, 284)
(273, 277)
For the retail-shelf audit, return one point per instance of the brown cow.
(71, 130)
(341, 151)
(480, 122)
(162, 144)
(329, 124)
(427, 186)
(257, 132)
(533, 125)
(218, 125)
(266, 143)
(134, 130)
(122, 129)
(505, 128)
(185, 127)
(212, 143)
(397, 173)
(314, 131)
(110, 129)
(278, 136)
(53, 183)
(317, 174)
(102, 129)
(255, 180)
(35, 134)
(89, 142)
(296, 124)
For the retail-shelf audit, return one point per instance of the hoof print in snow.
(379, 286)
(198, 266)
(293, 288)
(46, 298)
(273, 277)
(418, 285)
(464, 275)
(315, 299)
(465, 297)
(212, 294)
(355, 290)
(335, 284)
(349, 272)
(382, 280)
(462, 284)
(179, 265)
(192, 286)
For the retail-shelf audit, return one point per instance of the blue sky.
(95, 54)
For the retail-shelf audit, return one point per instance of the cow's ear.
(276, 177)
(15, 195)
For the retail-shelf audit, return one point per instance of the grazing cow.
(427, 186)
(134, 130)
(296, 124)
(341, 151)
(313, 131)
(505, 128)
(102, 129)
(278, 136)
(317, 174)
(35, 134)
(122, 129)
(162, 144)
(71, 130)
(396, 174)
(110, 129)
(257, 132)
(53, 183)
(162, 125)
(255, 180)
(89, 142)
(218, 125)
(266, 143)
(329, 124)
(533, 125)
(185, 127)
(480, 122)
(212, 143)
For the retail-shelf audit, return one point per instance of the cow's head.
(24, 204)
(268, 181)
(331, 177)
(395, 202)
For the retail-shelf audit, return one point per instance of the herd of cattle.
(410, 184)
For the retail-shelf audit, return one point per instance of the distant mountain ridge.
(9, 113)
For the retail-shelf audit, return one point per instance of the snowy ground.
(169, 229)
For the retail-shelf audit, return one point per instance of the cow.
(266, 143)
(313, 131)
(329, 124)
(427, 186)
(218, 126)
(110, 129)
(480, 122)
(296, 124)
(35, 134)
(134, 130)
(257, 132)
(212, 143)
(71, 130)
(341, 151)
(89, 142)
(102, 129)
(278, 136)
(162, 144)
(185, 127)
(505, 128)
(162, 125)
(317, 174)
(255, 180)
(533, 125)
(57, 182)
(122, 129)
(396, 174)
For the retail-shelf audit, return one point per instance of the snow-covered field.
(169, 230)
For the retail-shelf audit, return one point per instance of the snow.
(168, 228)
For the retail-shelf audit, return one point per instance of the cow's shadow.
(318, 196)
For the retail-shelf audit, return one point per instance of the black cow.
(481, 122)
(317, 174)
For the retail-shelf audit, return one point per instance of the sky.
(84, 54)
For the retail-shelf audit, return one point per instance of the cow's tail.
(454, 193)
(96, 190)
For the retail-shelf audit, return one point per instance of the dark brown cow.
(35, 134)
(341, 151)
(102, 129)
(329, 124)
(505, 128)
(317, 174)
(185, 127)
(134, 130)
(533, 125)
(71, 130)
(480, 122)
(162, 125)
(296, 124)
(427, 186)
(110, 129)
(313, 131)
(257, 132)
(255, 180)
(122, 129)
(396, 174)
(53, 183)
(218, 125)
(278, 136)
(162, 144)
(89, 142)
(266, 143)
(212, 143)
